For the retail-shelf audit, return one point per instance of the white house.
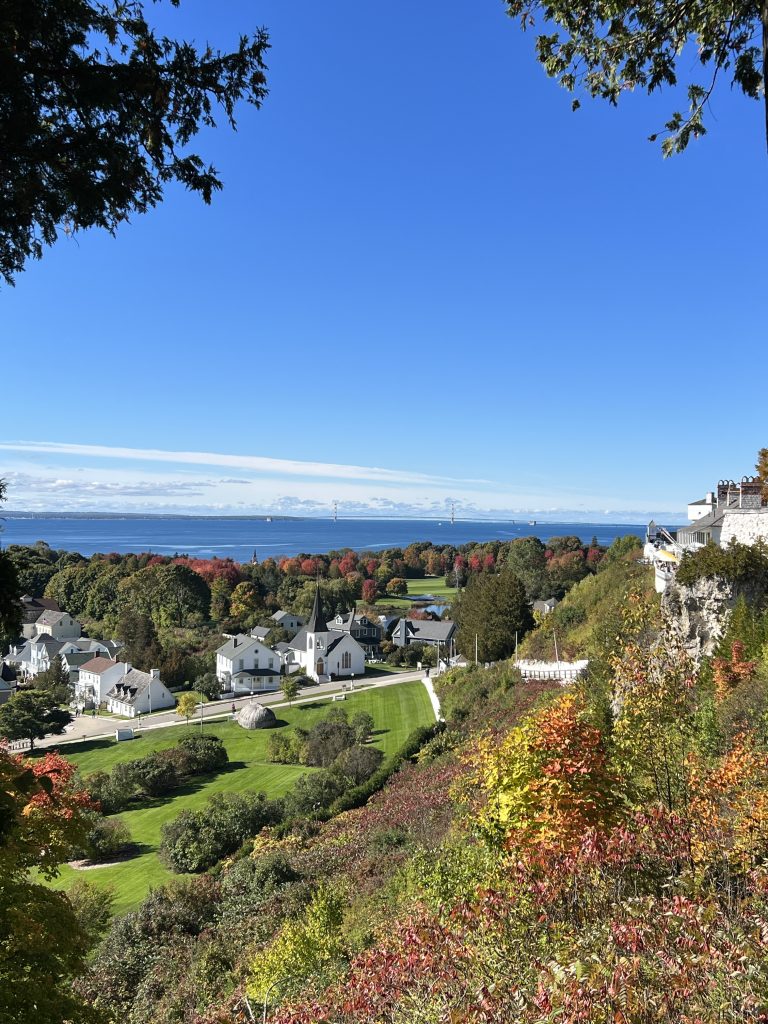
(245, 664)
(96, 678)
(42, 650)
(288, 621)
(137, 693)
(59, 625)
(322, 653)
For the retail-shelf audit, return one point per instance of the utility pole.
(201, 714)
(335, 511)
(453, 513)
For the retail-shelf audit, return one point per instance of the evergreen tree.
(32, 715)
(141, 645)
(492, 610)
(55, 680)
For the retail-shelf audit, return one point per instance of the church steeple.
(316, 622)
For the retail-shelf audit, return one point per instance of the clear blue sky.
(421, 261)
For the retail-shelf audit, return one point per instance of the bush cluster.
(196, 840)
(321, 745)
(157, 773)
(738, 563)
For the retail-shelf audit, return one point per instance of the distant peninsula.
(142, 515)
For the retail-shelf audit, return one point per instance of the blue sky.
(426, 280)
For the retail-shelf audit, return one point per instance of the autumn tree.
(605, 49)
(186, 705)
(43, 941)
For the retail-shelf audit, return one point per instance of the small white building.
(59, 625)
(323, 653)
(96, 678)
(288, 621)
(702, 507)
(138, 693)
(244, 665)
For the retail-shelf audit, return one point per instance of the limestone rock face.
(698, 614)
(255, 716)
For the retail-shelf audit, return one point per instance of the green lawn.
(434, 585)
(396, 711)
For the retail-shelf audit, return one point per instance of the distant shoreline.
(523, 520)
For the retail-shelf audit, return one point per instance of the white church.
(323, 653)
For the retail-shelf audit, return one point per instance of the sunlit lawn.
(396, 711)
(434, 585)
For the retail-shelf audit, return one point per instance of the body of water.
(241, 538)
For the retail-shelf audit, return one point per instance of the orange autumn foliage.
(729, 672)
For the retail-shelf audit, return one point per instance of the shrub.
(737, 563)
(102, 788)
(363, 724)
(248, 883)
(153, 775)
(196, 840)
(204, 754)
(326, 740)
(108, 838)
(312, 793)
(358, 763)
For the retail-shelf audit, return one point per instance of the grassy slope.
(396, 710)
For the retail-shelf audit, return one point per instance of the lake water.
(241, 538)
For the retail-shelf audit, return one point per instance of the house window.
(346, 660)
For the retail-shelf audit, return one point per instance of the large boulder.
(255, 716)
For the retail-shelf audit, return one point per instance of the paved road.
(86, 728)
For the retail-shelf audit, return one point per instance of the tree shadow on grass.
(77, 747)
(186, 789)
(380, 732)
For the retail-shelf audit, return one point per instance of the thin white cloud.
(253, 463)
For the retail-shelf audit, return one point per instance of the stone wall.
(747, 527)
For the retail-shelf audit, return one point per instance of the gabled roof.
(280, 615)
(7, 677)
(130, 686)
(98, 665)
(260, 632)
(235, 646)
(711, 519)
(76, 659)
(424, 629)
(346, 621)
(332, 638)
(50, 617)
(48, 642)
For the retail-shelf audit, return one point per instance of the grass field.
(396, 710)
(434, 585)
